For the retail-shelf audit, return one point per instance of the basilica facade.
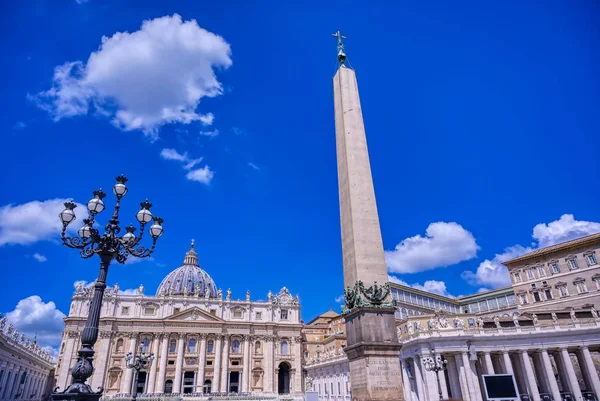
(203, 341)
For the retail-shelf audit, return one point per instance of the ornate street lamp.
(436, 363)
(107, 246)
(138, 362)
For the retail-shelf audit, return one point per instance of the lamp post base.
(77, 392)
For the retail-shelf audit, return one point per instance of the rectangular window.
(523, 299)
(530, 274)
(536, 296)
(502, 302)
(541, 271)
(284, 314)
(209, 363)
(512, 300)
(474, 308)
(258, 315)
(149, 311)
(555, 267)
(483, 306)
(492, 303)
(331, 384)
(213, 312)
(591, 259)
(171, 363)
(562, 290)
(573, 264)
(533, 285)
(581, 287)
(176, 310)
(548, 294)
(339, 388)
(125, 310)
(237, 314)
(597, 281)
(517, 277)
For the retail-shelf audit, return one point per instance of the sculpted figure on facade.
(554, 318)
(410, 329)
(15, 335)
(443, 321)
(419, 327)
(116, 289)
(594, 312)
(79, 288)
(573, 316)
(207, 293)
(228, 298)
(220, 293)
(516, 321)
(197, 290)
(140, 290)
(270, 296)
(497, 321)
(248, 295)
(535, 319)
(480, 322)
(2, 324)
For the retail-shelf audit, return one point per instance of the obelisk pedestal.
(372, 341)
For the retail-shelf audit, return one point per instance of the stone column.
(14, 382)
(538, 369)
(246, 364)
(453, 378)
(64, 375)
(406, 380)
(179, 364)
(217, 370)
(572, 378)
(489, 366)
(508, 368)
(463, 377)
(101, 359)
(127, 381)
(225, 365)
(6, 367)
(152, 379)
(25, 387)
(164, 356)
(269, 368)
(34, 385)
(549, 372)
(529, 376)
(590, 369)
(430, 379)
(422, 393)
(474, 378)
(201, 364)
(298, 365)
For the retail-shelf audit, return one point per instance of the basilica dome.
(188, 279)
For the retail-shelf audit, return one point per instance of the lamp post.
(138, 362)
(436, 363)
(107, 246)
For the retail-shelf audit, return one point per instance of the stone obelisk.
(373, 348)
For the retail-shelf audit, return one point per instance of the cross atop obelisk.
(372, 342)
(341, 54)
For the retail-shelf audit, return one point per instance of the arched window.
(192, 345)
(145, 345)
(207, 387)
(172, 346)
(257, 347)
(284, 348)
(235, 346)
(120, 345)
(210, 346)
(168, 386)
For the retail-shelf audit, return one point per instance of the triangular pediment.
(194, 314)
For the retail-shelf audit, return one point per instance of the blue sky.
(482, 122)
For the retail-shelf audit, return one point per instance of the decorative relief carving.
(374, 296)
(106, 334)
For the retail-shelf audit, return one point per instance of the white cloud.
(254, 166)
(86, 284)
(492, 273)
(34, 221)
(143, 79)
(39, 258)
(340, 299)
(81, 1)
(433, 286)
(203, 175)
(238, 131)
(19, 125)
(444, 244)
(210, 134)
(32, 317)
(564, 229)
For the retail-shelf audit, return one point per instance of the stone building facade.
(551, 345)
(558, 276)
(26, 370)
(203, 342)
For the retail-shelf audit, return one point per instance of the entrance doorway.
(283, 378)
(188, 382)
(234, 382)
(140, 386)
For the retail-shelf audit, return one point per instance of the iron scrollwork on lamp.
(436, 363)
(108, 246)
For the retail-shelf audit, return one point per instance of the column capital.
(584, 347)
(523, 351)
(181, 336)
(203, 336)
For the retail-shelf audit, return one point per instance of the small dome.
(188, 279)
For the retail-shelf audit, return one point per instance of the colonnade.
(258, 360)
(532, 368)
(25, 382)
